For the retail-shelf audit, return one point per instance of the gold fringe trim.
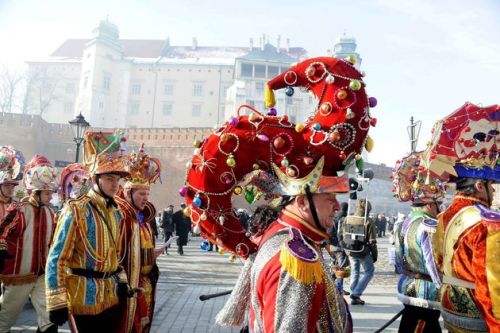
(302, 271)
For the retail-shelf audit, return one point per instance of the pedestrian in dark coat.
(167, 222)
(182, 225)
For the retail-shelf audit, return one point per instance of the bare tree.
(41, 91)
(10, 83)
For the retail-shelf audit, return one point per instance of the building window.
(259, 86)
(246, 70)
(68, 107)
(260, 71)
(85, 81)
(101, 105)
(272, 71)
(135, 89)
(167, 109)
(133, 108)
(168, 89)
(70, 87)
(289, 100)
(106, 82)
(196, 110)
(197, 89)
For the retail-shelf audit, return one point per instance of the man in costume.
(138, 243)
(418, 287)
(11, 164)
(285, 285)
(464, 150)
(25, 235)
(83, 276)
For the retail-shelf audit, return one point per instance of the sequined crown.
(144, 170)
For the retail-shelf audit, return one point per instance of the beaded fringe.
(300, 270)
(234, 312)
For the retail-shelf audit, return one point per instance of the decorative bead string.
(342, 145)
(295, 78)
(311, 138)
(209, 193)
(346, 89)
(235, 148)
(366, 119)
(328, 72)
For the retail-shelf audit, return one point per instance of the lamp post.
(413, 133)
(79, 126)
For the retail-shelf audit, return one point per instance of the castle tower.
(102, 97)
(346, 46)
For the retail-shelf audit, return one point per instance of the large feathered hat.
(266, 151)
(103, 153)
(40, 175)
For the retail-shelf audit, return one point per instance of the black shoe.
(346, 293)
(355, 300)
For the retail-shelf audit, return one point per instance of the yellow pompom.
(369, 144)
(269, 98)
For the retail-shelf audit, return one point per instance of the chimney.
(251, 44)
(278, 44)
(288, 45)
(195, 44)
(263, 42)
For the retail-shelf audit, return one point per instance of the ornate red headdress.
(465, 144)
(292, 157)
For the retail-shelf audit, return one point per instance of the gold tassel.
(269, 98)
(302, 271)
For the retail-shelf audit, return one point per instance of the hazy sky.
(423, 58)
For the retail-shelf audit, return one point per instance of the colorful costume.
(74, 182)
(418, 287)
(25, 235)
(138, 245)
(285, 285)
(464, 147)
(83, 272)
(11, 167)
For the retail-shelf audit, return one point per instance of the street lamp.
(414, 133)
(79, 126)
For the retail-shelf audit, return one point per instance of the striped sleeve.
(57, 261)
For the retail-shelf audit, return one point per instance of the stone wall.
(173, 146)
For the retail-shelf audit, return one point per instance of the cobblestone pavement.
(185, 278)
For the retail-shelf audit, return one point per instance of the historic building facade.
(139, 83)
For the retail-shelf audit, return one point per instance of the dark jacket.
(167, 221)
(182, 227)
